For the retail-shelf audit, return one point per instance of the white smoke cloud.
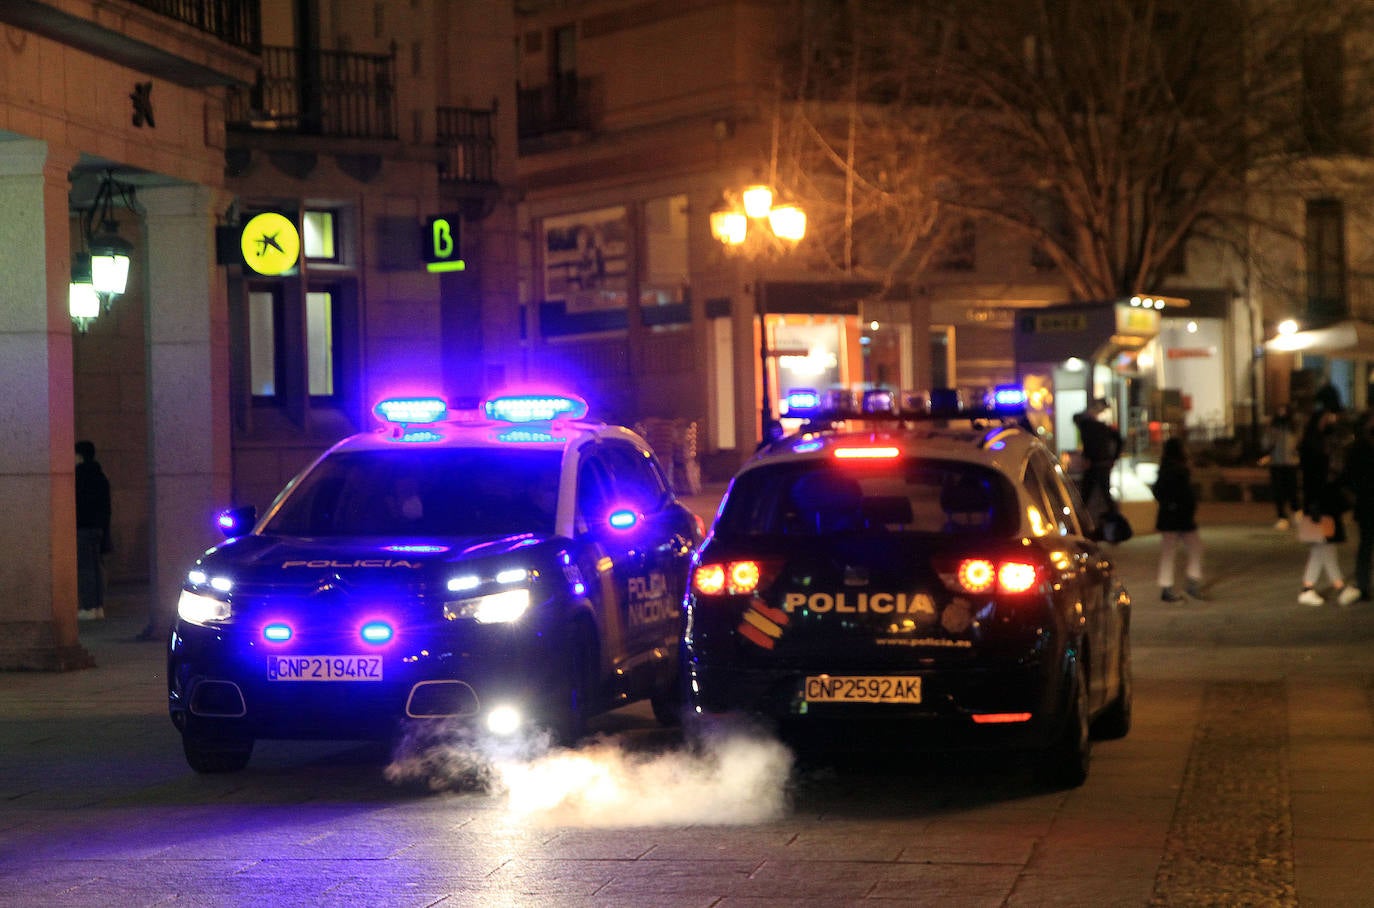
(730, 777)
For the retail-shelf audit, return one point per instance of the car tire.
(216, 755)
(1115, 720)
(1064, 764)
(572, 705)
(667, 705)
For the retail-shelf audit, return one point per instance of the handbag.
(1318, 530)
(1115, 527)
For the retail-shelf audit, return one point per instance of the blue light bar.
(411, 410)
(529, 436)
(803, 403)
(535, 407)
(879, 400)
(1008, 397)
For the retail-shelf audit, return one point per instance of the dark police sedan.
(924, 574)
(513, 567)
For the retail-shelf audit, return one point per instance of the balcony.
(332, 94)
(467, 145)
(562, 106)
(235, 22)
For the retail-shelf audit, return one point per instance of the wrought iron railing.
(236, 22)
(560, 106)
(330, 93)
(467, 145)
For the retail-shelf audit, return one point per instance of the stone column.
(188, 386)
(37, 495)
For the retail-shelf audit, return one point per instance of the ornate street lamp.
(103, 270)
(751, 212)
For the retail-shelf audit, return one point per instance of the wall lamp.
(100, 273)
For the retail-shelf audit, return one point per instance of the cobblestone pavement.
(1248, 779)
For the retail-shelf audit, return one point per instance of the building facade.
(381, 134)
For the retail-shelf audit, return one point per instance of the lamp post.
(749, 222)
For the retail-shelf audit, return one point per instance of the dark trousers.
(1097, 478)
(1283, 479)
(90, 580)
(1364, 554)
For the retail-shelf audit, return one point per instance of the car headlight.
(198, 608)
(494, 608)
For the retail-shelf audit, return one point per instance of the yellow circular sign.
(271, 244)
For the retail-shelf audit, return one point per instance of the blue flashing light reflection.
(517, 436)
(806, 447)
(421, 436)
(277, 633)
(418, 549)
(376, 632)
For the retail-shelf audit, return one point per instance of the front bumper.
(218, 684)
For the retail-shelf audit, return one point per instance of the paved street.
(1248, 779)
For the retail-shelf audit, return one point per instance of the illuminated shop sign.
(442, 249)
(271, 244)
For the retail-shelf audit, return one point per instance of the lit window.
(318, 236)
(319, 346)
(262, 343)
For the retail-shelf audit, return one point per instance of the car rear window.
(433, 492)
(818, 497)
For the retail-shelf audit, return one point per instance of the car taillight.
(985, 575)
(733, 578)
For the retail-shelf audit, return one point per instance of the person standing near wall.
(1281, 456)
(1177, 522)
(92, 532)
(1101, 445)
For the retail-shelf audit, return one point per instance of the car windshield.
(430, 492)
(818, 497)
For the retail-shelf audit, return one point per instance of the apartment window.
(665, 278)
(319, 236)
(1323, 94)
(1326, 258)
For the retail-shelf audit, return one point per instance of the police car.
(925, 572)
(508, 568)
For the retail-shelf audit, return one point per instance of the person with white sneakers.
(1321, 454)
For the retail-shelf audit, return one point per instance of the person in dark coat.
(92, 532)
(1321, 454)
(1281, 456)
(1101, 445)
(1358, 477)
(1176, 521)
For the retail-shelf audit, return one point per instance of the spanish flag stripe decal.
(754, 636)
(762, 623)
(772, 614)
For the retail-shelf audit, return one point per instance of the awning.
(1351, 337)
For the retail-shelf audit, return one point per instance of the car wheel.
(1115, 720)
(667, 705)
(216, 755)
(572, 704)
(1064, 764)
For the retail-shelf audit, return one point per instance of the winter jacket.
(1177, 501)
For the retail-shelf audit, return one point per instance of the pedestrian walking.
(92, 532)
(1359, 479)
(1281, 456)
(1177, 522)
(1320, 454)
(1101, 444)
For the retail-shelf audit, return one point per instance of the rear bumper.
(1027, 698)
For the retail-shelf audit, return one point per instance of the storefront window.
(586, 272)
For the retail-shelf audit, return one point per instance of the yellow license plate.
(862, 689)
